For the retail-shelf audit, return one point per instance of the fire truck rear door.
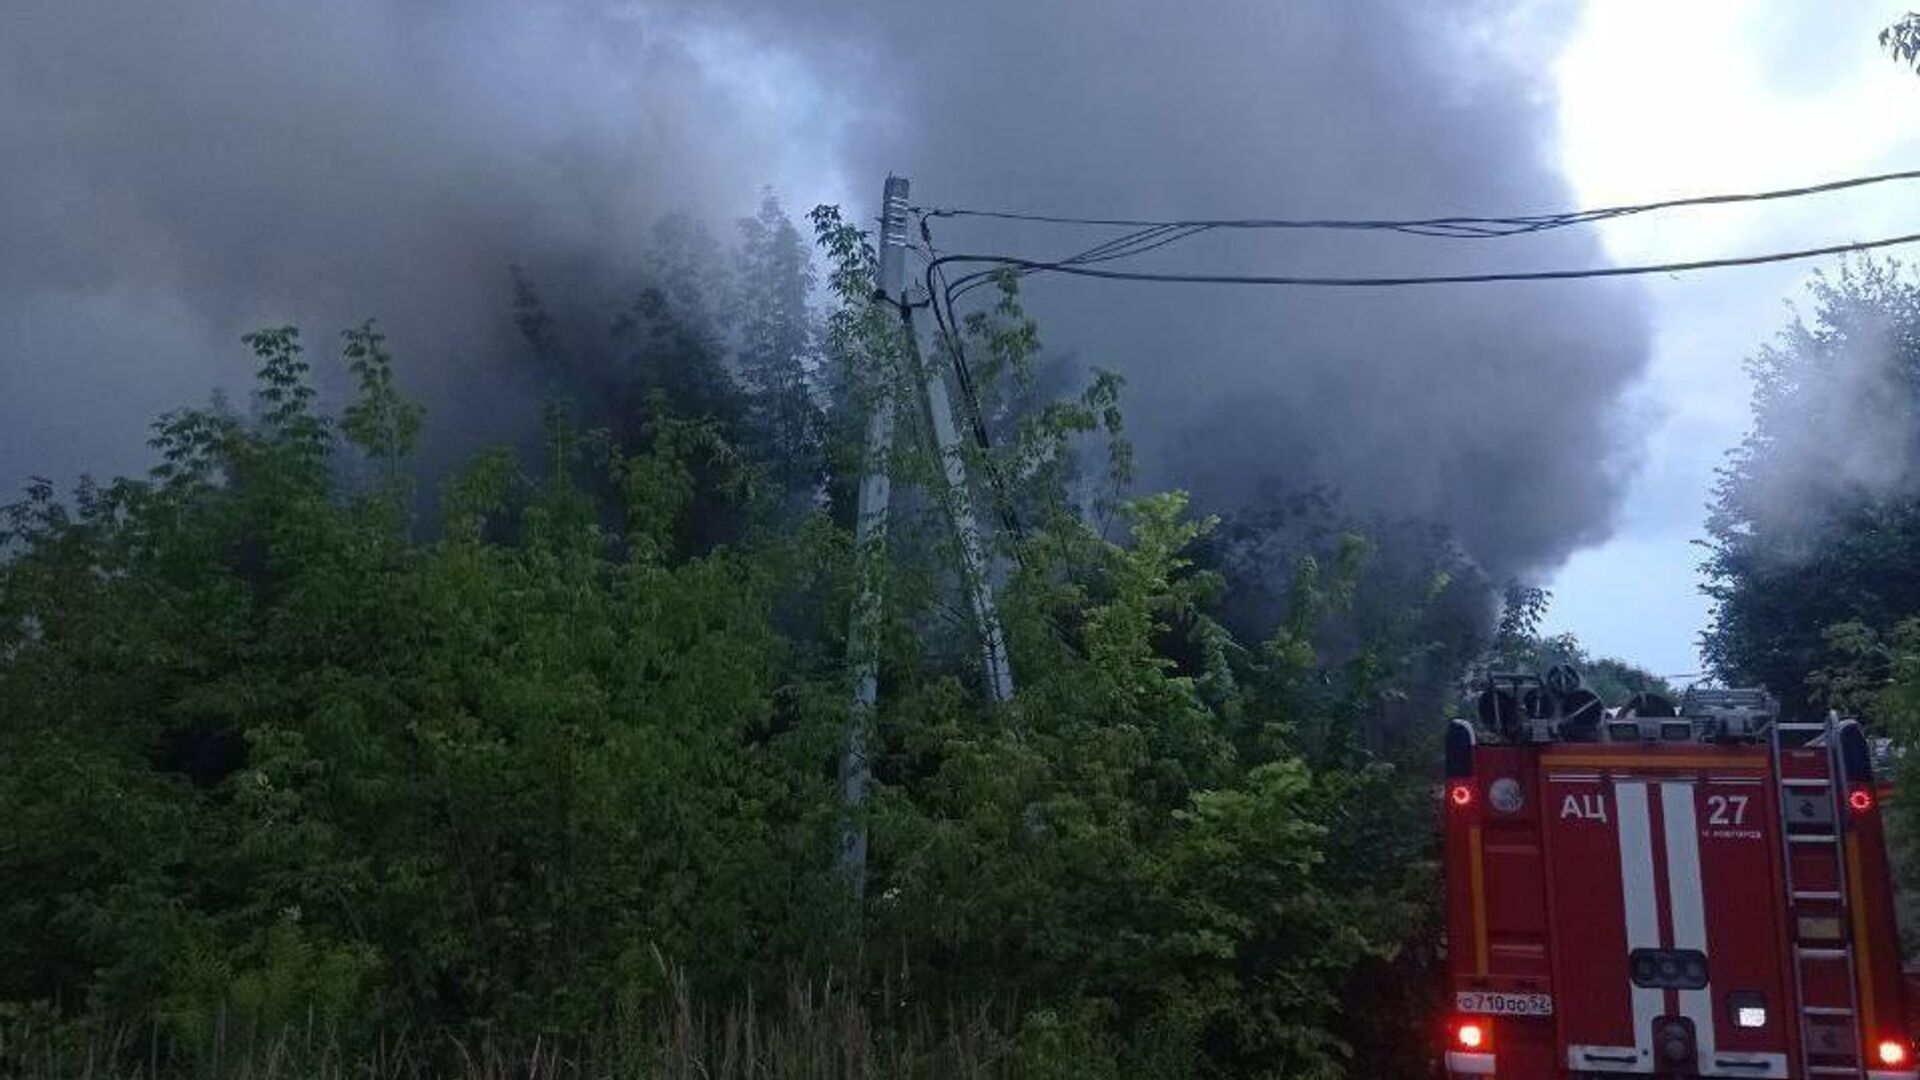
(1665, 914)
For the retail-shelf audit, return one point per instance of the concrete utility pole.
(974, 570)
(870, 537)
(870, 549)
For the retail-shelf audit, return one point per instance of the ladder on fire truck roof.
(1825, 986)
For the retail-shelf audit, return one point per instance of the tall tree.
(777, 347)
(1815, 520)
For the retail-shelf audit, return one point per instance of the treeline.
(308, 753)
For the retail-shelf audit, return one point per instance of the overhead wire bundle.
(1145, 235)
(1148, 235)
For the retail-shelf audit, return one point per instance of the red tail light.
(1860, 799)
(1474, 1034)
(1459, 794)
(1892, 1053)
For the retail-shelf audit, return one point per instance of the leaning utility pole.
(975, 574)
(870, 534)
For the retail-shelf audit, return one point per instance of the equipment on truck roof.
(1521, 708)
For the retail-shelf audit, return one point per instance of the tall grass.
(815, 1033)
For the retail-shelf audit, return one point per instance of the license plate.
(1493, 1003)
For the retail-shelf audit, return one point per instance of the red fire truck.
(1696, 889)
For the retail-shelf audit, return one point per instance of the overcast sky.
(1660, 99)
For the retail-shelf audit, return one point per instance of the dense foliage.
(1816, 518)
(281, 748)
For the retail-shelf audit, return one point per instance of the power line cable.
(1077, 266)
(948, 321)
(1149, 233)
(1324, 281)
(1452, 225)
(950, 345)
(1124, 247)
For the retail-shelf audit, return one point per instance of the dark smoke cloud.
(1488, 408)
(178, 173)
(239, 161)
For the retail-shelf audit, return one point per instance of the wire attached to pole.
(1396, 281)
(1459, 225)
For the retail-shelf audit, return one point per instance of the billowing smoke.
(178, 171)
(177, 174)
(1488, 408)
(1834, 426)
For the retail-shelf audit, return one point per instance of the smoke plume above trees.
(180, 174)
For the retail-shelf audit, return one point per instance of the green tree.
(1815, 520)
(776, 348)
(1902, 39)
(485, 778)
(381, 422)
(1518, 646)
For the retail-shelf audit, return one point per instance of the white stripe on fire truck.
(1642, 911)
(1686, 903)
